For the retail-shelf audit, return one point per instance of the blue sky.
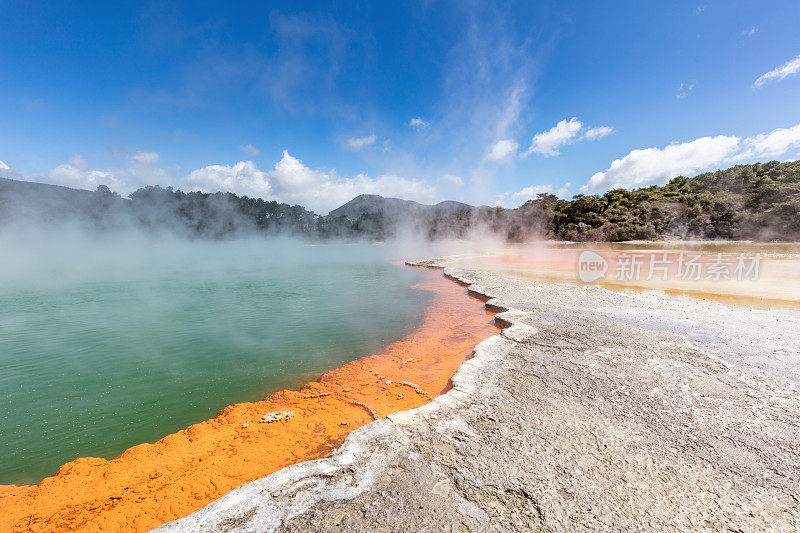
(315, 103)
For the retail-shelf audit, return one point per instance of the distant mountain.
(394, 209)
(12, 189)
(41, 202)
(152, 209)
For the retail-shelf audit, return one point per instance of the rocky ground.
(595, 410)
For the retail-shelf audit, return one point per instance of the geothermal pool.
(109, 343)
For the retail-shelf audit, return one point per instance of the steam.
(110, 338)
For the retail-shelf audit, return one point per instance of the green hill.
(758, 202)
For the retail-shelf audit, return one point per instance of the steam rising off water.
(105, 344)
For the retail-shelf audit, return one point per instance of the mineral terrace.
(594, 410)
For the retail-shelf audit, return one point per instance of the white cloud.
(249, 149)
(652, 165)
(789, 68)
(359, 143)
(749, 33)
(418, 122)
(548, 142)
(770, 145)
(564, 191)
(243, 178)
(79, 162)
(656, 165)
(529, 193)
(289, 181)
(69, 175)
(292, 182)
(594, 134)
(453, 180)
(75, 174)
(502, 150)
(137, 169)
(684, 89)
(145, 158)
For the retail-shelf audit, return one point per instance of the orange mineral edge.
(150, 484)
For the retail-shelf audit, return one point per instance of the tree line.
(749, 202)
(758, 202)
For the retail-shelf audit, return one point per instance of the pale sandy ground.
(597, 410)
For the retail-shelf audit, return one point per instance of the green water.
(105, 345)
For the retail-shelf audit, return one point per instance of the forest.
(759, 202)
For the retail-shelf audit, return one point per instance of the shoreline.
(266, 503)
(150, 484)
(594, 409)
